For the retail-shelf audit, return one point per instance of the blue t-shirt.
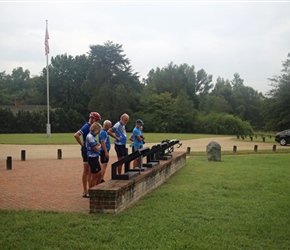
(104, 136)
(120, 131)
(137, 144)
(91, 141)
(84, 130)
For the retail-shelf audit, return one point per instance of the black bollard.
(9, 163)
(188, 150)
(23, 155)
(256, 148)
(263, 138)
(235, 149)
(59, 154)
(274, 148)
(251, 137)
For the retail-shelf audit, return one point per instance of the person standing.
(80, 137)
(118, 131)
(104, 140)
(138, 138)
(93, 153)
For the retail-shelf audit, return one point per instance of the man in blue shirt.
(118, 131)
(138, 139)
(104, 140)
(82, 133)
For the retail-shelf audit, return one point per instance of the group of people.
(95, 151)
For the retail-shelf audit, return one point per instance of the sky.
(251, 38)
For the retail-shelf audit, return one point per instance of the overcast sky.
(221, 37)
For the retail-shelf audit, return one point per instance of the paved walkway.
(53, 185)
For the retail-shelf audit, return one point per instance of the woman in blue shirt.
(93, 152)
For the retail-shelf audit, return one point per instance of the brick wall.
(113, 196)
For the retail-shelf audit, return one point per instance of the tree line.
(175, 98)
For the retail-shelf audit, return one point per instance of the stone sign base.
(114, 196)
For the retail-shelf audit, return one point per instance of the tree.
(185, 114)
(157, 112)
(278, 104)
(174, 78)
(217, 104)
(18, 85)
(237, 82)
(243, 101)
(67, 75)
(112, 86)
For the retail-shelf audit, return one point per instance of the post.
(256, 148)
(22, 155)
(251, 138)
(263, 138)
(48, 130)
(188, 150)
(59, 154)
(9, 163)
(274, 148)
(235, 149)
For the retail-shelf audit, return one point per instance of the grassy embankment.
(239, 203)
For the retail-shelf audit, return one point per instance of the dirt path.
(73, 151)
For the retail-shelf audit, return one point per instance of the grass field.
(239, 203)
(68, 138)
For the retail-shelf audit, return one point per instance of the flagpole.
(48, 132)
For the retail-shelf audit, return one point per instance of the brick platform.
(114, 196)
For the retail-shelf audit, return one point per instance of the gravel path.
(73, 151)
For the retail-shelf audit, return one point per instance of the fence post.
(256, 148)
(263, 138)
(9, 163)
(251, 138)
(274, 148)
(23, 155)
(59, 154)
(188, 150)
(235, 149)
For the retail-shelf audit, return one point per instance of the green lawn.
(68, 138)
(239, 203)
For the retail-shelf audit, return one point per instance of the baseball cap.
(140, 121)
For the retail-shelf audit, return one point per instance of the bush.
(35, 121)
(8, 121)
(225, 124)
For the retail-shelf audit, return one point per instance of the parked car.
(283, 137)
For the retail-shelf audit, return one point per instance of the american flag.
(46, 42)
